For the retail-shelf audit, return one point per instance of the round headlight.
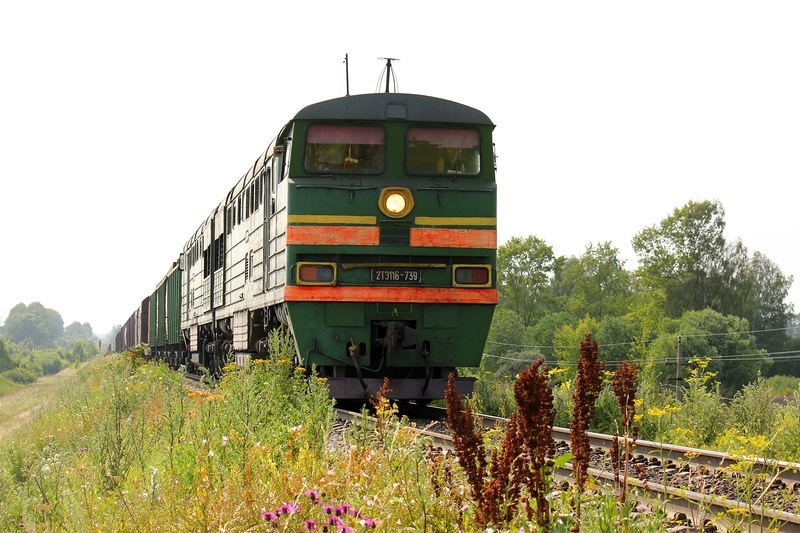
(396, 202)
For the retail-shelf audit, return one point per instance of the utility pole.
(678, 377)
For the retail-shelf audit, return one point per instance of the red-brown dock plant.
(534, 397)
(520, 462)
(588, 385)
(468, 443)
(624, 386)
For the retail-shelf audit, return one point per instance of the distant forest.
(34, 342)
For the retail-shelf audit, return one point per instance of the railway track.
(699, 487)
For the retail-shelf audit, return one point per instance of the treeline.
(42, 327)
(34, 342)
(692, 287)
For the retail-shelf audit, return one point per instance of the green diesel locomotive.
(368, 229)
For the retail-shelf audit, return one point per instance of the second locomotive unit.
(368, 229)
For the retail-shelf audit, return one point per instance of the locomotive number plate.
(396, 275)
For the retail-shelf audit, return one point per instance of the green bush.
(783, 385)
(51, 365)
(23, 376)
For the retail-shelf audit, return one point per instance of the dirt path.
(18, 407)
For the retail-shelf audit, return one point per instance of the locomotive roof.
(393, 106)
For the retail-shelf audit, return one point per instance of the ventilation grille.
(393, 234)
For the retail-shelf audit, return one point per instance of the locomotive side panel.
(275, 274)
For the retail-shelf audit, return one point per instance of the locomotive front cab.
(391, 242)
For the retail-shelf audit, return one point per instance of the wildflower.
(310, 525)
(224, 440)
(269, 517)
(328, 508)
(369, 522)
(288, 508)
(314, 496)
(342, 509)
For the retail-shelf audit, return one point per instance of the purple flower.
(288, 508)
(342, 509)
(269, 517)
(314, 495)
(311, 525)
(328, 508)
(369, 522)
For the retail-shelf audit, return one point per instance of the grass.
(18, 403)
(7, 386)
(120, 445)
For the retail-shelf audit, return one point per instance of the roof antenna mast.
(347, 74)
(388, 70)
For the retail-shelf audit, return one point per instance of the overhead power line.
(639, 342)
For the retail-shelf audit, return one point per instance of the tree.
(77, 330)
(40, 325)
(725, 340)
(5, 359)
(524, 269)
(684, 256)
(506, 333)
(765, 306)
(615, 335)
(687, 258)
(567, 341)
(541, 336)
(601, 285)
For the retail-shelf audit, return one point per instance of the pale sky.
(123, 124)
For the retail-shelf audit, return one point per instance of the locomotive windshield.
(345, 149)
(443, 151)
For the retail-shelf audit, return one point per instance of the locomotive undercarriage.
(223, 342)
(364, 364)
(391, 341)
